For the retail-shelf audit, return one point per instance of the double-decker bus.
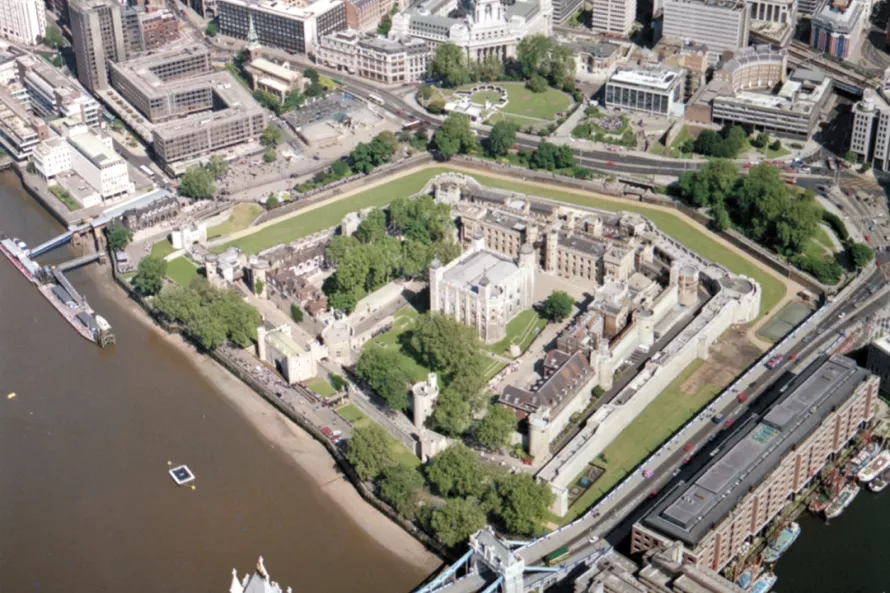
(557, 556)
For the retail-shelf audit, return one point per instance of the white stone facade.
(390, 61)
(483, 289)
(613, 17)
(491, 29)
(22, 21)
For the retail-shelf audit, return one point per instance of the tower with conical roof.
(253, 40)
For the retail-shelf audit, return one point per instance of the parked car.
(729, 423)
(742, 397)
(689, 447)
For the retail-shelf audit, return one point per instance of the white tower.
(425, 394)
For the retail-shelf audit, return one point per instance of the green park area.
(162, 249)
(181, 271)
(524, 107)
(522, 330)
(358, 419)
(241, 217)
(689, 234)
(662, 418)
(320, 387)
(395, 339)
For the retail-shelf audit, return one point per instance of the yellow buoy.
(11, 395)
(169, 463)
(193, 486)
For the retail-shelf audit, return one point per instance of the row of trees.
(199, 181)
(211, 315)
(400, 243)
(727, 143)
(473, 493)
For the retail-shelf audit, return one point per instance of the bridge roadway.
(59, 274)
(616, 514)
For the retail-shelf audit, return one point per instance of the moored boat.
(875, 467)
(781, 544)
(841, 501)
(746, 579)
(865, 455)
(764, 583)
(880, 482)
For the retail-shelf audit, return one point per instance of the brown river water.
(85, 500)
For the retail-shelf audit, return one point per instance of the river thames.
(85, 500)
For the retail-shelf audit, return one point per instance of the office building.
(763, 465)
(390, 61)
(156, 28)
(484, 289)
(365, 15)
(278, 24)
(688, 56)
(206, 8)
(491, 28)
(199, 110)
(98, 31)
(837, 28)
(721, 25)
(879, 362)
(277, 79)
(808, 7)
(90, 155)
(793, 111)
(22, 21)
(753, 68)
(871, 127)
(655, 90)
(595, 58)
(612, 17)
(52, 95)
(20, 131)
(564, 9)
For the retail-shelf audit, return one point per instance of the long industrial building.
(764, 466)
(198, 110)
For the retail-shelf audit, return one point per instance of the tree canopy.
(494, 430)
(119, 236)
(861, 254)
(551, 157)
(502, 138)
(149, 278)
(457, 471)
(449, 65)
(271, 136)
(455, 136)
(211, 315)
(368, 451)
(197, 182)
(400, 486)
(367, 157)
(523, 503)
(445, 345)
(381, 369)
(456, 520)
(53, 37)
(558, 306)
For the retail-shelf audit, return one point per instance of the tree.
(861, 254)
(761, 140)
(149, 278)
(776, 145)
(373, 228)
(272, 201)
(449, 65)
(384, 26)
(312, 74)
(524, 503)
(315, 89)
(293, 100)
(271, 136)
(197, 182)
(455, 136)
(494, 430)
(558, 306)
(212, 29)
(270, 156)
(502, 138)
(53, 37)
(490, 69)
(537, 84)
(382, 370)
(31, 168)
(296, 313)
(119, 236)
(338, 382)
(453, 414)
(399, 486)
(217, 166)
(851, 157)
(456, 520)
(720, 220)
(532, 54)
(445, 345)
(550, 157)
(713, 184)
(457, 471)
(258, 287)
(368, 451)
(340, 169)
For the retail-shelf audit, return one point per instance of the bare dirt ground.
(731, 355)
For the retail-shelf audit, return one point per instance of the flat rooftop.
(692, 510)
(657, 78)
(90, 145)
(480, 265)
(286, 9)
(284, 343)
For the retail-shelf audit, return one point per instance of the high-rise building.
(871, 128)
(721, 25)
(613, 17)
(98, 31)
(22, 21)
(279, 24)
(564, 9)
(837, 28)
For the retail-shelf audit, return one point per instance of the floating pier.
(182, 475)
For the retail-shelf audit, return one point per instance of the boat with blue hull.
(787, 536)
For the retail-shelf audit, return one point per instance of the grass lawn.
(689, 234)
(181, 270)
(162, 249)
(664, 416)
(242, 215)
(773, 154)
(523, 102)
(522, 330)
(320, 387)
(490, 96)
(358, 419)
(821, 237)
(331, 215)
(522, 122)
